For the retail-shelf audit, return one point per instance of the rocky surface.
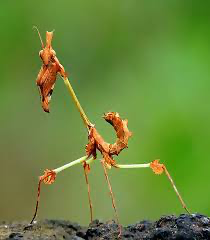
(190, 227)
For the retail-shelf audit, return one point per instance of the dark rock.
(16, 236)
(184, 227)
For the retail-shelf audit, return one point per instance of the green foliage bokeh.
(147, 60)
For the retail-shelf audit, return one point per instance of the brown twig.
(37, 202)
(159, 168)
(48, 178)
(175, 189)
(86, 170)
(112, 196)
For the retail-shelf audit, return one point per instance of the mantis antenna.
(39, 36)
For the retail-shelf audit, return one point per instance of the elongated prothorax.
(49, 36)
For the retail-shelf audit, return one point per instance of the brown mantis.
(45, 81)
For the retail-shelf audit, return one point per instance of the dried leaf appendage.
(48, 177)
(96, 142)
(157, 168)
(47, 75)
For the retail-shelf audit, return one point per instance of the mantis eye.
(40, 54)
(53, 54)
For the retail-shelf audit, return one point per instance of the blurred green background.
(147, 60)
